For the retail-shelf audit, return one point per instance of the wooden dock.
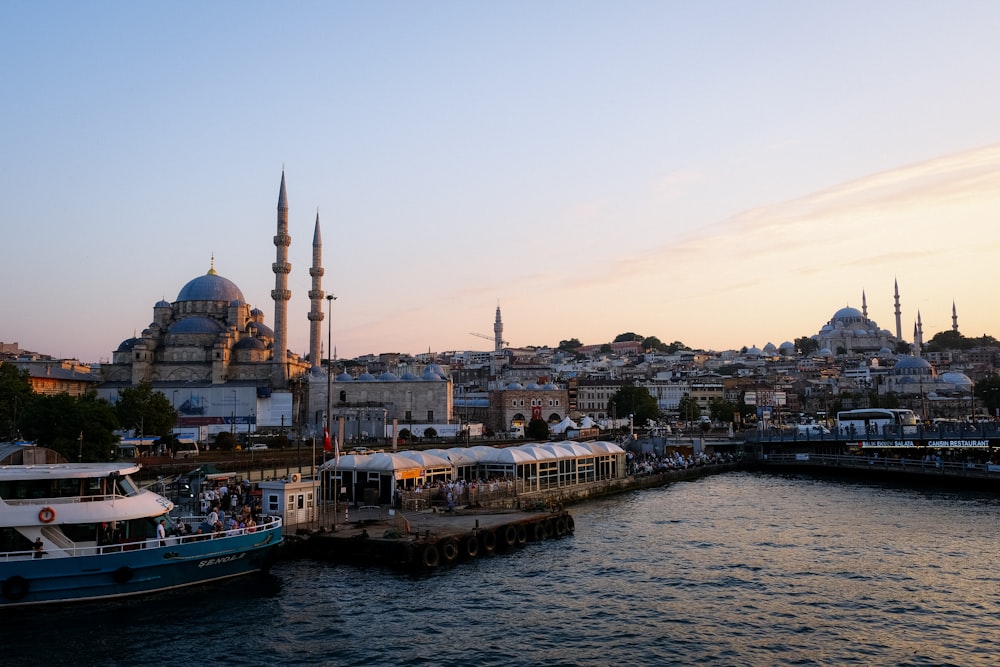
(422, 541)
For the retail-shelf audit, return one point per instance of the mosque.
(212, 354)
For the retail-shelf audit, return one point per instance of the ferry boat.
(87, 531)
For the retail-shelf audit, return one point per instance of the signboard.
(967, 444)
(750, 398)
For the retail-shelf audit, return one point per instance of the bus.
(876, 422)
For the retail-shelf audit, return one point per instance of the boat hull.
(135, 569)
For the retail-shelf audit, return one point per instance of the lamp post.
(330, 298)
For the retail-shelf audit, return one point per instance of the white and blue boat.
(87, 531)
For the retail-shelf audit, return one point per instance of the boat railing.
(63, 500)
(267, 523)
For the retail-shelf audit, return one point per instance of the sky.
(723, 174)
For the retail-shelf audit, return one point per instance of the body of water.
(731, 569)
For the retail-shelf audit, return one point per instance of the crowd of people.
(650, 463)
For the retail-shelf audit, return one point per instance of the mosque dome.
(847, 315)
(344, 377)
(514, 386)
(260, 329)
(128, 344)
(408, 377)
(911, 365)
(250, 344)
(434, 372)
(211, 287)
(787, 346)
(532, 386)
(550, 387)
(366, 377)
(162, 303)
(960, 380)
(388, 377)
(197, 325)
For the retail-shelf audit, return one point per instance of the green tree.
(635, 401)
(721, 410)
(16, 397)
(571, 345)
(688, 408)
(987, 391)
(628, 337)
(806, 345)
(538, 429)
(676, 346)
(146, 411)
(225, 441)
(653, 343)
(76, 427)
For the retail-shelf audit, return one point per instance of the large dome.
(847, 315)
(211, 287)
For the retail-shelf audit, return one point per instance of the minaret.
(864, 306)
(899, 322)
(915, 346)
(316, 301)
(497, 344)
(281, 294)
(954, 318)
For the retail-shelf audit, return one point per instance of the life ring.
(449, 551)
(540, 532)
(47, 515)
(15, 588)
(471, 546)
(122, 575)
(430, 556)
(489, 541)
(510, 535)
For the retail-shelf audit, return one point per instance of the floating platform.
(427, 540)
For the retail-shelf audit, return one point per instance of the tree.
(806, 345)
(16, 397)
(653, 343)
(675, 347)
(688, 408)
(146, 411)
(571, 345)
(987, 391)
(635, 401)
(76, 427)
(721, 410)
(628, 338)
(225, 441)
(538, 429)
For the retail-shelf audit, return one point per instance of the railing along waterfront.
(967, 434)
(923, 466)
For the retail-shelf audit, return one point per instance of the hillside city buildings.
(212, 354)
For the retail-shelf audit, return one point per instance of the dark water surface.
(733, 569)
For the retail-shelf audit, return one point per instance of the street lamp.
(328, 436)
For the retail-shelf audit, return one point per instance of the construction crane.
(492, 338)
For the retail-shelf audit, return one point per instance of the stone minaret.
(316, 301)
(281, 294)
(497, 344)
(864, 305)
(899, 322)
(954, 318)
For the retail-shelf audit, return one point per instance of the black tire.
(510, 536)
(522, 536)
(449, 551)
(430, 557)
(560, 526)
(488, 541)
(471, 546)
(15, 588)
(570, 523)
(539, 532)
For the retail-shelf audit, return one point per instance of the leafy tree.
(571, 345)
(635, 401)
(59, 421)
(16, 397)
(606, 348)
(146, 411)
(948, 340)
(225, 441)
(538, 429)
(688, 408)
(628, 338)
(676, 346)
(721, 410)
(987, 391)
(653, 343)
(806, 345)
(902, 347)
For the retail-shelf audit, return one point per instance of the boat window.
(11, 540)
(127, 486)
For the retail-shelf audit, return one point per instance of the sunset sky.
(719, 173)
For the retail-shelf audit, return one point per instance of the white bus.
(876, 422)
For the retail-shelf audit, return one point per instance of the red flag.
(326, 439)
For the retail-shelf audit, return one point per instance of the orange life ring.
(47, 515)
